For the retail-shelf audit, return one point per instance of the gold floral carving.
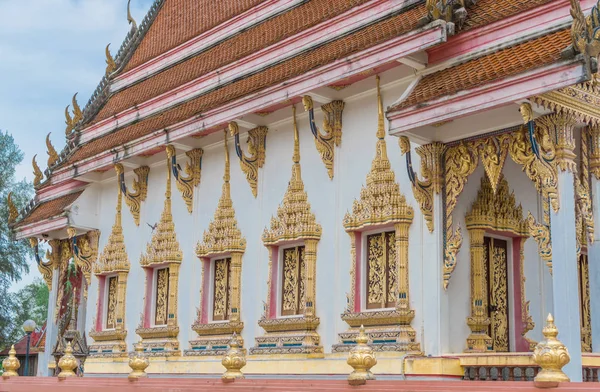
(13, 213)
(526, 318)
(594, 150)
(581, 100)
(38, 176)
(111, 308)
(162, 296)
(560, 128)
(85, 255)
(431, 169)
(52, 154)
(71, 121)
(332, 124)
(460, 163)
(584, 215)
(257, 140)
(140, 189)
(193, 170)
(493, 152)
(541, 235)
(584, 36)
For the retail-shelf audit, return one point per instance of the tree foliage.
(14, 255)
(29, 303)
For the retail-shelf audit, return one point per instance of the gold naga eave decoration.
(111, 66)
(13, 213)
(585, 34)
(85, 253)
(431, 169)
(71, 121)
(332, 124)
(113, 257)
(164, 247)
(52, 154)
(38, 176)
(380, 199)
(223, 234)
(193, 170)
(46, 269)
(294, 218)
(140, 189)
(257, 141)
(453, 12)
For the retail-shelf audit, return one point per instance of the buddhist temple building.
(292, 170)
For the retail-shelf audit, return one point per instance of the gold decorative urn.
(362, 359)
(233, 361)
(11, 364)
(67, 363)
(551, 355)
(138, 363)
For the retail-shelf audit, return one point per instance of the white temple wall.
(330, 200)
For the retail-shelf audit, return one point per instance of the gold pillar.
(121, 299)
(310, 262)
(402, 299)
(478, 340)
(173, 290)
(236, 270)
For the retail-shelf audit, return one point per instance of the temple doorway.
(496, 270)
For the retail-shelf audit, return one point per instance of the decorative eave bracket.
(193, 169)
(140, 189)
(257, 142)
(46, 269)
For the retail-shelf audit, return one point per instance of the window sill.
(378, 317)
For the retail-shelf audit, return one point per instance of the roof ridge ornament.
(52, 154)
(111, 66)
(77, 115)
(130, 19)
(453, 12)
(13, 213)
(585, 35)
(38, 176)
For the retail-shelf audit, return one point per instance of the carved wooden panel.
(584, 303)
(293, 281)
(162, 296)
(111, 303)
(496, 256)
(381, 270)
(222, 289)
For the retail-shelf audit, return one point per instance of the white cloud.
(50, 49)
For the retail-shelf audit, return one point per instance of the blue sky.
(49, 50)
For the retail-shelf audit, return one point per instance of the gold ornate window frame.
(163, 251)
(495, 211)
(293, 224)
(222, 240)
(380, 208)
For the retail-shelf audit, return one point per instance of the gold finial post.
(380, 116)
(233, 361)
(226, 176)
(551, 355)
(296, 157)
(362, 359)
(11, 364)
(138, 363)
(67, 363)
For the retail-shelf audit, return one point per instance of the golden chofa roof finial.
(13, 213)
(77, 115)
(38, 176)
(52, 154)
(111, 66)
(129, 17)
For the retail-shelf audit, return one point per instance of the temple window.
(293, 275)
(380, 282)
(111, 270)
(220, 253)
(289, 318)
(159, 327)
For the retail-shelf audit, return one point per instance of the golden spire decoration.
(67, 363)
(113, 257)
(223, 234)
(551, 355)
(233, 361)
(164, 246)
(38, 176)
(138, 363)
(11, 364)
(294, 218)
(362, 359)
(52, 154)
(380, 200)
(111, 66)
(13, 213)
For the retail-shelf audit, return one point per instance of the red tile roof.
(489, 11)
(241, 45)
(181, 20)
(49, 209)
(511, 61)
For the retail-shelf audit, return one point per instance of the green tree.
(31, 302)
(14, 255)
